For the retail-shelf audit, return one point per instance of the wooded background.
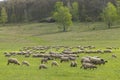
(37, 10)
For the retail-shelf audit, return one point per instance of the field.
(16, 36)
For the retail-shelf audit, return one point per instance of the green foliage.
(118, 10)
(3, 15)
(62, 16)
(75, 11)
(13, 15)
(109, 14)
(58, 5)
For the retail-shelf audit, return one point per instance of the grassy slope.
(14, 37)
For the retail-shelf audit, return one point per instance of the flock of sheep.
(61, 54)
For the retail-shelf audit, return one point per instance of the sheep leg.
(8, 63)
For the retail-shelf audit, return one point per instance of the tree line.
(37, 10)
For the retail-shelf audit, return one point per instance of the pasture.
(13, 37)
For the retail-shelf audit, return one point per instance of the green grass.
(15, 36)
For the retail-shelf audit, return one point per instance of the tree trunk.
(64, 28)
(109, 25)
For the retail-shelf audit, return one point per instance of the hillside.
(20, 35)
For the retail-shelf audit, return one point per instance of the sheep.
(44, 60)
(72, 58)
(43, 66)
(57, 56)
(7, 55)
(73, 55)
(109, 47)
(67, 52)
(37, 55)
(96, 60)
(25, 63)
(65, 59)
(107, 51)
(13, 60)
(73, 64)
(85, 60)
(114, 56)
(81, 51)
(99, 51)
(54, 63)
(27, 55)
(88, 65)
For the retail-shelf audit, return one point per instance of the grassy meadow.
(15, 36)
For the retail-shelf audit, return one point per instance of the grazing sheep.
(109, 47)
(65, 59)
(13, 60)
(27, 55)
(7, 55)
(25, 63)
(85, 60)
(37, 55)
(114, 56)
(73, 64)
(81, 51)
(67, 52)
(99, 51)
(96, 60)
(72, 58)
(54, 63)
(42, 66)
(44, 60)
(107, 51)
(88, 65)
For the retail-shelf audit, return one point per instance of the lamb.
(73, 64)
(54, 63)
(88, 65)
(13, 60)
(42, 66)
(25, 63)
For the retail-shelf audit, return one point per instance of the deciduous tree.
(75, 11)
(62, 16)
(109, 14)
(3, 15)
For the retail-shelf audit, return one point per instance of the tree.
(75, 11)
(118, 9)
(62, 16)
(3, 15)
(109, 14)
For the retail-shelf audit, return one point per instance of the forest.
(38, 10)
